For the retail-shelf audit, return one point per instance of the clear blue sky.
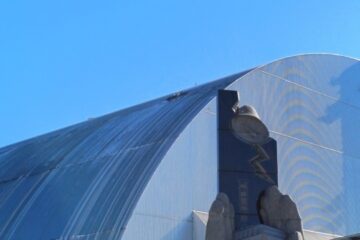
(65, 61)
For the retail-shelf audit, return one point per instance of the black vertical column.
(237, 177)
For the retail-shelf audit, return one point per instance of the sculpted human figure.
(220, 225)
(279, 211)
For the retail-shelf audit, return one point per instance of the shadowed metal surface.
(82, 182)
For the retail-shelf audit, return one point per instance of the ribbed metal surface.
(311, 105)
(83, 182)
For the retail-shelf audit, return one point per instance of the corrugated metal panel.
(186, 179)
(83, 181)
(311, 105)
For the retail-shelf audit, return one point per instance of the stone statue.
(221, 225)
(279, 211)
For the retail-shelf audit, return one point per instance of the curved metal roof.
(85, 180)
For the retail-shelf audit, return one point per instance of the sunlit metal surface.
(311, 105)
(85, 181)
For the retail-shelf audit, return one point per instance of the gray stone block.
(220, 225)
(279, 211)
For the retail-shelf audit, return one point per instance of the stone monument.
(250, 205)
(220, 225)
(279, 211)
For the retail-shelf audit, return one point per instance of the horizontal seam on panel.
(315, 144)
(312, 90)
(120, 152)
(307, 142)
(77, 164)
(210, 112)
(77, 236)
(323, 233)
(162, 217)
